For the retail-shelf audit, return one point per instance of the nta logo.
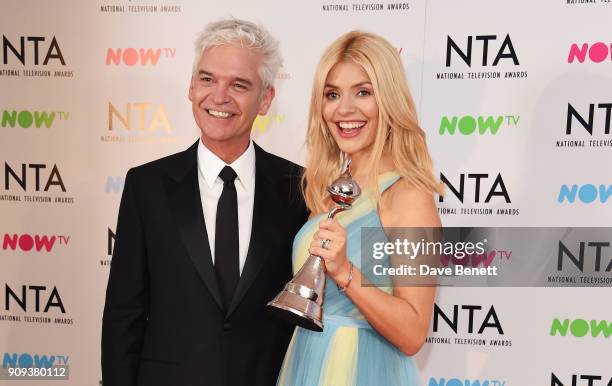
(144, 121)
(490, 320)
(465, 382)
(110, 242)
(598, 246)
(110, 245)
(597, 52)
(589, 380)
(588, 124)
(505, 51)
(53, 178)
(497, 188)
(586, 193)
(468, 124)
(132, 56)
(580, 328)
(27, 242)
(25, 118)
(37, 294)
(18, 50)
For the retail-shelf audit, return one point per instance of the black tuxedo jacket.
(164, 323)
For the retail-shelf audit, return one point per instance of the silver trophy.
(301, 301)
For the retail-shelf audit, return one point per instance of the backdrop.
(515, 98)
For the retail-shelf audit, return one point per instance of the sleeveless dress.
(349, 352)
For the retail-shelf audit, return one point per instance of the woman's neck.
(361, 172)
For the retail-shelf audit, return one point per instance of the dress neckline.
(385, 180)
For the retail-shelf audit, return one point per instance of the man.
(204, 236)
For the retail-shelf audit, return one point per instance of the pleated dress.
(349, 352)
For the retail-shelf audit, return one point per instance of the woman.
(361, 106)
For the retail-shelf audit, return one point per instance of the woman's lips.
(350, 129)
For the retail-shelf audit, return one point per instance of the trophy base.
(297, 310)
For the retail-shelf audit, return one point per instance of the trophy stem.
(336, 210)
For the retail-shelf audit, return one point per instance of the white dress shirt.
(211, 186)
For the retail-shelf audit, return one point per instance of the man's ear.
(266, 101)
(191, 85)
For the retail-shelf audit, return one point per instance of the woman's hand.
(334, 255)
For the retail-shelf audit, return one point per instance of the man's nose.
(220, 94)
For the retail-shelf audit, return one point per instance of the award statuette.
(301, 301)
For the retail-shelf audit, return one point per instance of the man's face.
(226, 95)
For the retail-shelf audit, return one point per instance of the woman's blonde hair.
(398, 133)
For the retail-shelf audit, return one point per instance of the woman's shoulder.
(405, 204)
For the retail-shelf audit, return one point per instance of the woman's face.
(349, 108)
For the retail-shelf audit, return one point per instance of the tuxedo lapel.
(264, 227)
(185, 203)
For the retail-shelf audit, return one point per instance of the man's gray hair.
(246, 34)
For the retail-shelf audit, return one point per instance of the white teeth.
(220, 114)
(350, 125)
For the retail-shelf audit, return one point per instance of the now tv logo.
(261, 122)
(469, 124)
(586, 193)
(132, 56)
(28, 360)
(27, 242)
(596, 52)
(26, 118)
(580, 328)
(465, 382)
(114, 184)
(476, 259)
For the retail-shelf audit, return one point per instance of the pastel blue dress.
(349, 352)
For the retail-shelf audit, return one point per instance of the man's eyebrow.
(237, 79)
(245, 81)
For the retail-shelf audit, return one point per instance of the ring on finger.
(325, 243)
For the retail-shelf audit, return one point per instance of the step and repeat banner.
(515, 98)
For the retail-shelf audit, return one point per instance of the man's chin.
(223, 138)
(217, 132)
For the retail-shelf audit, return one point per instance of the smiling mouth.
(219, 114)
(350, 128)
